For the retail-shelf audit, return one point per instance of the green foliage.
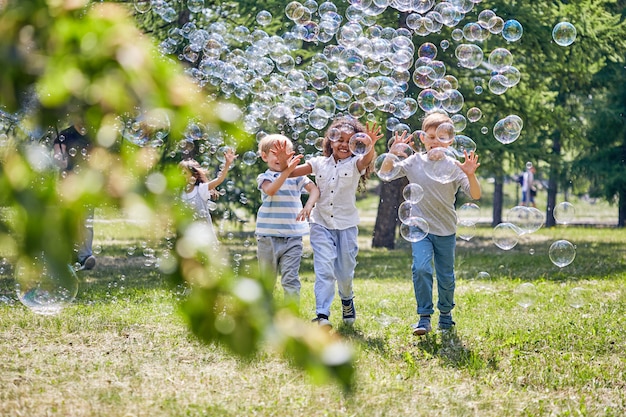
(64, 60)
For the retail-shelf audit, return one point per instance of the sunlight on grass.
(122, 348)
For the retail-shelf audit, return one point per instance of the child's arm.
(373, 131)
(469, 167)
(314, 195)
(229, 157)
(272, 187)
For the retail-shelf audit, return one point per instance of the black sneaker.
(322, 321)
(349, 313)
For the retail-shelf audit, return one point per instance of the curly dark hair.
(350, 125)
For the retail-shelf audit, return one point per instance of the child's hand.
(398, 138)
(373, 131)
(304, 214)
(471, 163)
(280, 150)
(230, 156)
(293, 162)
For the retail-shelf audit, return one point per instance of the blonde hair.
(434, 120)
(268, 142)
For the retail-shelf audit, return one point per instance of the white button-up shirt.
(338, 182)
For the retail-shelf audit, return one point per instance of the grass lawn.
(121, 349)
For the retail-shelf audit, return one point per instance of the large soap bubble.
(527, 219)
(416, 230)
(505, 236)
(564, 212)
(512, 30)
(440, 165)
(42, 290)
(562, 253)
(360, 143)
(386, 166)
(468, 213)
(564, 34)
(466, 230)
(413, 193)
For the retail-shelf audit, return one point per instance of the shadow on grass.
(451, 350)
(377, 344)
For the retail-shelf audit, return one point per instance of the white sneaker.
(322, 321)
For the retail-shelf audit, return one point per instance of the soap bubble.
(386, 167)
(414, 231)
(463, 144)
(360, 143)
(249, 158)
(562, 253)
(413, 193)
(264, 18)
(219, 155)
(527, 219)
(408, 211)
(468, 213)
(440, 165)
(474, 114)
(564, 34)
(525, 294)
(564, 212)
(507, 130)
(577, 297)
(401, 150)
(466, 230)
(512, 30)
(43, 290)
(483, 275)
(506, 236)
(445, 133)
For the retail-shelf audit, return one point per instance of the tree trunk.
(498, 200)
(553, 180)
(387, 215)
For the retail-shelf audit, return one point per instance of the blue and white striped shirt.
(277, 214)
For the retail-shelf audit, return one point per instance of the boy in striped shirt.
(281, 219)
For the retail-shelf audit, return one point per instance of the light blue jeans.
(441, 250)
(334, 260)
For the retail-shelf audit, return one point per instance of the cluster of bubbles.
(414, 227)
(527, 295)
(362, 67)
(524, 220)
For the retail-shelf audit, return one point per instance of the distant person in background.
(71, 151)
(197, 192)
(528, 186)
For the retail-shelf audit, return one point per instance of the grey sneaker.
(322, 321)
(349, 313)
(445, 321)
(88, 263)
(422, 327)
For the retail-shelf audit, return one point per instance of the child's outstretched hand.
(404, 137)
(230, 156)
(373, 130)
(293, 162)
(280, 150)
(471, 163)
